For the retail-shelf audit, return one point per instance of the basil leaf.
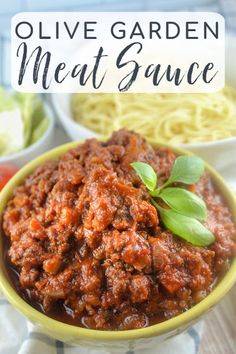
(188, 228)
(146, 173)
(184, 202)
(187, 169)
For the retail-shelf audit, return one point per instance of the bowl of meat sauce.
(104, 243)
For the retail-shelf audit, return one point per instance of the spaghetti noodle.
(173, 118)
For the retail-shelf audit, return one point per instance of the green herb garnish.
(146, 174)
(184, 202)
(182, 210)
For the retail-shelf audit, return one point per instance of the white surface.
(110, 73)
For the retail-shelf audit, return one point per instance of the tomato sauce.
(6, 173)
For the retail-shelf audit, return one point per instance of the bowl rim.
(36, 144)
(69, 331)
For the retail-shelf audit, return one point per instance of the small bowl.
(42, 145)
(115, 341)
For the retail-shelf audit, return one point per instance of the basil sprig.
(183, 211)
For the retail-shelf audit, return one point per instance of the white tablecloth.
(17, 336)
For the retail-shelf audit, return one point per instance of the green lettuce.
(22, 121)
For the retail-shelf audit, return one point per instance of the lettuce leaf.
(22, 121)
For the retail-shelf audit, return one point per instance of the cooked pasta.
(173, 118)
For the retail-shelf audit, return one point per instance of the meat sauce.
(84, 244)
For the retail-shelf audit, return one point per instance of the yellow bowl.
(113, 340)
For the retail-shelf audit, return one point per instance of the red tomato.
(6, 173)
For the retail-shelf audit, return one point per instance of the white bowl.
(219, 153)
(40, 146)
(61, 103)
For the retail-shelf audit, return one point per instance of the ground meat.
(89, 247)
